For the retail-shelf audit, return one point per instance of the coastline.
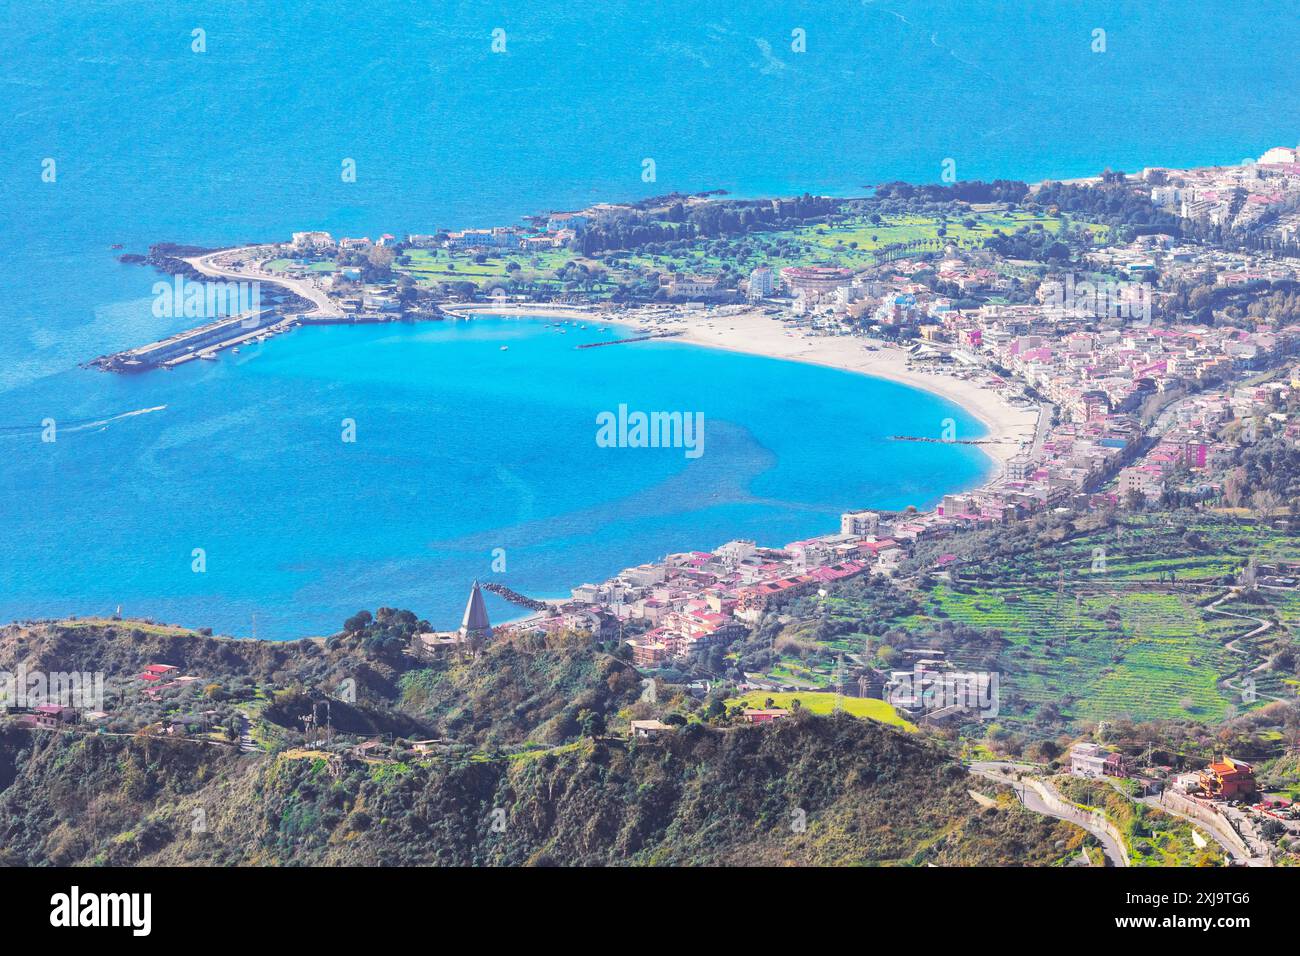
(753, 332)
(1008, 429)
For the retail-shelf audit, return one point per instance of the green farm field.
(824, 703)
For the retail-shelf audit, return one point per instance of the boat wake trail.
(77, 425)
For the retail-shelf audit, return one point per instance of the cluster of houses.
(697, 599)
(154, 680)
(1225, 779)
(1234, 196)
(558, 230)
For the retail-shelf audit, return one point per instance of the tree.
(1265, 503)
(380, 258)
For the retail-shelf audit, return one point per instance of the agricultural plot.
(825, 703)
(1098, 653)
(1115, 623)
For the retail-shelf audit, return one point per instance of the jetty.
(514, 597)
(203, 342)
(635, 338)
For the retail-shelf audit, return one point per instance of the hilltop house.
(1228, 779)
(1088, 760)
(648, 728)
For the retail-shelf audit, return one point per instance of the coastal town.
(1116, 373)
(1103, 382)
(736, 438)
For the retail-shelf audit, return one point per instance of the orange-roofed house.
(1229, 779)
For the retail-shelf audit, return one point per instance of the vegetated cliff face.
(808, 790)
(515, 690)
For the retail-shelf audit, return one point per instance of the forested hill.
(810, 790)
(516, 755)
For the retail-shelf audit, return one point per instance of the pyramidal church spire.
(475, 622)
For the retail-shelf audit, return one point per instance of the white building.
(1088, 760)
(865, 524)
(312, 241)
(762, 282)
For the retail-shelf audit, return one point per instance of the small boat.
(208, 357)
(505, 348)
(236, 351)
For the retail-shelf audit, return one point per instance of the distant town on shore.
(1095, 650)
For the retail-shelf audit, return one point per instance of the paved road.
(1213, 832)
(1041, 429)
(1262, 625)
(246, 743)
(213, 264)
(1030, 798)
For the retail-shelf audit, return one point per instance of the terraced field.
(1099, 652)
(1104, 625)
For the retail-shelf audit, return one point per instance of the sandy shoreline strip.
(1010, 429)
(756, 333)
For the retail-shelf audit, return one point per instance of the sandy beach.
(753, 331)
(1009, 428)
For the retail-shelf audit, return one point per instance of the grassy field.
(431, 266)
(824, 703)
(853, 243)
(1100, 653)
(128, 624)
(1092, 654)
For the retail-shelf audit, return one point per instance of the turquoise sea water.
(462, 450)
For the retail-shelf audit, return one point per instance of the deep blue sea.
(461, 447)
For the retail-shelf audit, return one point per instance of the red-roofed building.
(1229, 779)
(763, 715)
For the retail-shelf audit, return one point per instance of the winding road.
(1007, 773)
